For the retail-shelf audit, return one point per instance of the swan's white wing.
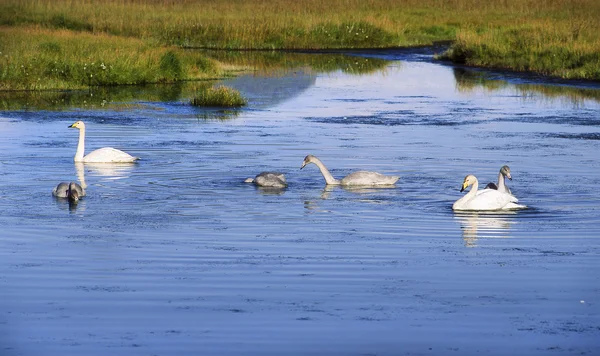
(489, 199)
(368, 178)
(109, 155)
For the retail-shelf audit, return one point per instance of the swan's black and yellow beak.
(303, 165)
(463, 187)
(72, 126)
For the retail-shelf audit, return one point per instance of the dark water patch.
(181, 143)
(351, 100)
(415, 97)
(49, 144)
(594, 136)
(588, 119)
(359, 120)
(406, 118)
(470, 110)
(106, 289)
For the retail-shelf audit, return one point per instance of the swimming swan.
(269, 179)
(487, 199)
(101, 155)
(360, 178)
(71, 191)
(501, 187)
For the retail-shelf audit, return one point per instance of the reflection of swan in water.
(484, 200)
(476, 225)
(80, 169)
(111, 171)
(101, 155)
(114, 171)
(501, 186)
(362, 192)
(269, 180)
(360, 178)
(313, 205)
(270, 190)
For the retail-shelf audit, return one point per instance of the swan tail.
(514, 206)
(249, 180)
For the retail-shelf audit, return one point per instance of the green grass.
(220, 96)
(36, 59)
(551, 53)
(66, 44)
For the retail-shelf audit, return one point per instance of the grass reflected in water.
(272, 63)
(269, 64)
(470, 80)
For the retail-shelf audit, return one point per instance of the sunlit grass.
(34, 59)
(219, 96)
(547, 51)
(142, 39)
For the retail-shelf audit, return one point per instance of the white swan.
(360, 178)
(501, 187)
(269, 180)
(101, 155)
(487, 199)
(71, 191)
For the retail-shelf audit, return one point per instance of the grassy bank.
(38, 58)
(547, 51)
(67, 43)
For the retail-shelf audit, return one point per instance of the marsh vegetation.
(219, 96)
(74, 44)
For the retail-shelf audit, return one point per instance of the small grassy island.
(219, 96)
(77, 44)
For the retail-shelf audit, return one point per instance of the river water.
(176, 255)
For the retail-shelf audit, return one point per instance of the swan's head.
(308, 159)
(78, 125)
(505, 170)
(469, 181)
(72, 193)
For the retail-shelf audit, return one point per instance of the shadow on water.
(470, 80)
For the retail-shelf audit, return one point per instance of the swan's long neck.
(460, 203)
(80, 145)
(473, 192)
(501, 186)
(328, 177)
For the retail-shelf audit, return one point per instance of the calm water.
(176, 255)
